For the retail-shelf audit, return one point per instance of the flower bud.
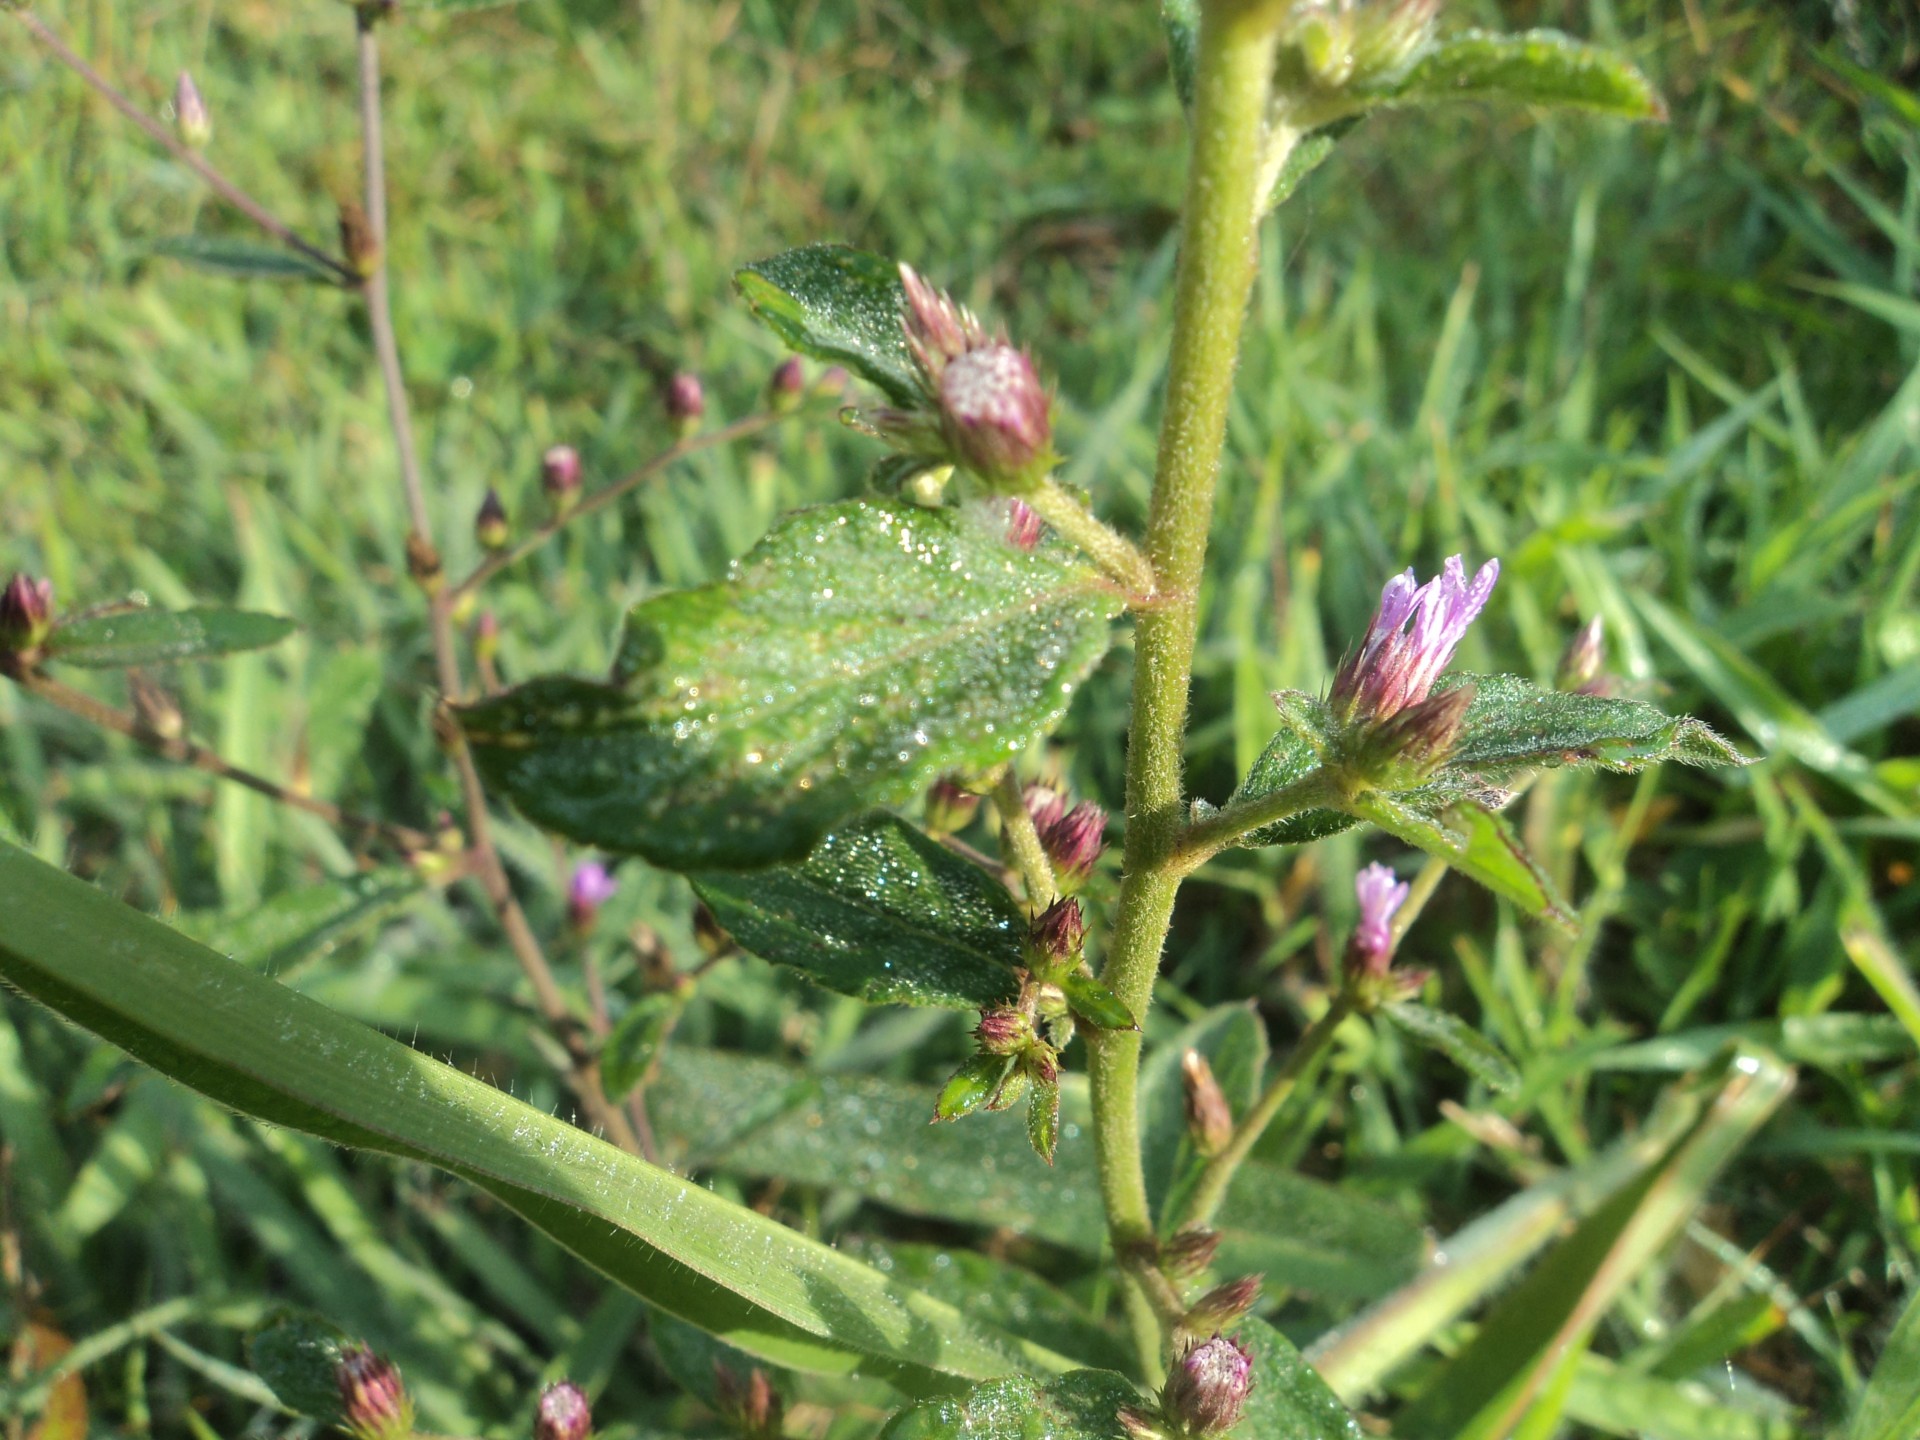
(1209, 1116)
(788, 386)
(374, 1404)
(1045, 806)
(1189, 1252)
(950, 806)
(1057, 937)
(686, 403)
(753, 1406)
(155, 707)
(1023, 525)
(1585, 654)
(590, 888)
(1409, 746)
(833, 382)
(486, 637)
(563, 1413)
(26, 613)
(1370, 951)
(1207, 1388)
(560, 477)
(191, 122)
(490, 522)
(1223, 1305)
(357, 240)
(1074, 841)
(998, 417)
(1005, 1031)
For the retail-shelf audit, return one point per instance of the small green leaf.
(1181, 19)
(1513, 726)
(1289, 757)
(1289, 1400)
(1457, 1040)
(162, 637)
(1536, 67)
(881, 912)
(1479, 844)
(858, 652)
(1305, 1234)
(1094, 1004)
(837, 304)
(298, 1355)
(1080, 1405)
(1043, 1117)
(282, 931)
(1889, 1408)
(243, 259)
(1305, 158)
(630, 1048)
(974, 1084)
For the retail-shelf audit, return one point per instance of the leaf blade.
(124, 638)
(1533, 67)
(1458, 1041)
(836, 304)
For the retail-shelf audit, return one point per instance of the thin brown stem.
(607, 494)
(192, 159)
(185, 752)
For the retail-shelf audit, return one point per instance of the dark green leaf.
(1890, 1407)
(1308, 1235)
(857, 652)
(880, 912)
(1514, 726)
(162, 637)
(837, 304)
(1305, 158)
(243, 259)
(1182, 21)
(1289, 1400)
(974, 1084)
(1536, 67)
(1094, 1004)
(272, 1053)
(1479, 844)
(630, 1048)
(298, 1355)
(1289, 757)
(294, 924)
(1457, 1040)
(1081, 1405)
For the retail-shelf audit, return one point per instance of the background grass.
(1668, 375)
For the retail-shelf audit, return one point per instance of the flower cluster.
(374, 1404)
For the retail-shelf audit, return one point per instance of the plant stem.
(1021, 840)
(1233, 76)
(1206, 838)
(158, 133)
(1111, 550)
(1211, 1188)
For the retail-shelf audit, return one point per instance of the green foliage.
(1081, 1405)
(1537, 67)
(1452, 1037)
(243, 259)
(1514, 727)
(1890, 1407)
(838, 304)
(881, 912)
(122, 638)
(1289, 1400)
(855, 654)
(298, 1355)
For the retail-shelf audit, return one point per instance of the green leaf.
(1535, 67)
(1513, 726)
(881, 912)
(1289, 1400)
(1457, 1040)
(976, 1083)
(1289, 757)
(1479, 844)
(279, 933)
(1081, 1405)
(1305, 158)
(1234, 1042)
(631, 1046)
(257, 1047)
(858, 652)
(1181, 19)
(1043, 1117)
(243, 259)
(298, 1354)
(162, 637)
(1094, 1004)
(1308, 1235)
(836, 304)
(1890, 1407)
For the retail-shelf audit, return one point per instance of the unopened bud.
(1189, 1252)
(357, 240)
(1005, 1031)
(374, 1404)
(191, 122)
(157, 710)
(1045, 806)
(1584, 655)
(1058, 935)
(490, 522)
(1207, 1388)
(833, 382)
(26, 613)
(560, 477)
(1023, 525)
(998, 417)
(1209, 1116)
(686, 403)
(753, 1405)
(563, 1413)
(788, 386)
(1074, 841)
(709, 934)
(1417, 741)
(950, 805)
(1223, 1305)
(486, 637)
(590, 888)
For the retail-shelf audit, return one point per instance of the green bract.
(161, 637)
(856, 653)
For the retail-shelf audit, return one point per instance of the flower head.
(490, 521)
(686, 403)
(374, 1404)
(1411, 640)
(560, 474)
(1006, 1030)
(26, 612)
(1207, 1388)
(1058, 935)
(191, 122)
(563, 1413)
(1381, 895)
(590, 888)
(788, 385)
(1209, 1116)
(1585, 654)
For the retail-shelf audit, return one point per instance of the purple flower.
(1411, 640)
(560, 472)
(1380, 895)
(1208, 1385)
(191, 122)
(1074, 840)
(563, 1413)
(26, 612)
(590, 888)
(373, 1402)
(686, 403)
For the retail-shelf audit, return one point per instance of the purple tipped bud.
(788, 386)
(490, 521)
(1005, 1031)
(950, 805)
(1208, 1386)
(1223, 1305)
(486, 636)
(191, 122)
(590, 888)
(1023, 525)
(1410, 641)
(1044, 805)
(1074, 841)
(1585, 654)
(1209, 1116)
(752, 1405)
(1380, 894)
(1059, 934)
(997, 416)
(938, 330)
(560, 475)
(374, 1404)
(1189, 1252)
(833, 381)
(563, 1413)
(1421, 737)
(686, 403)
(26, 613)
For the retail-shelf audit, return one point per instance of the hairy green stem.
(1020, 841)
(1111, 551)
(1208, 837)
(1233, 76)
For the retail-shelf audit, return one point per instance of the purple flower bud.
(1005, 1031)
(833, 381)
(590, 888)
(1585, 654)
(563, 1413)
(1380, 894)
(191, 122)
(938, 330)
(1044, 805)
(1417, 740)
(1058, 935)
(1223, 1305)
(997, 416)
(1209, 1116)
(753, 1405)
(1189, 1252)
(950, 805)
(26, 613)
(1023, 525)
(486, 636)
(374, 1404)
(560, 475)
(1208, 1385)
(1411, 640)
(686, 403)
(490, 521)
(1074, 841)
(788, 385)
